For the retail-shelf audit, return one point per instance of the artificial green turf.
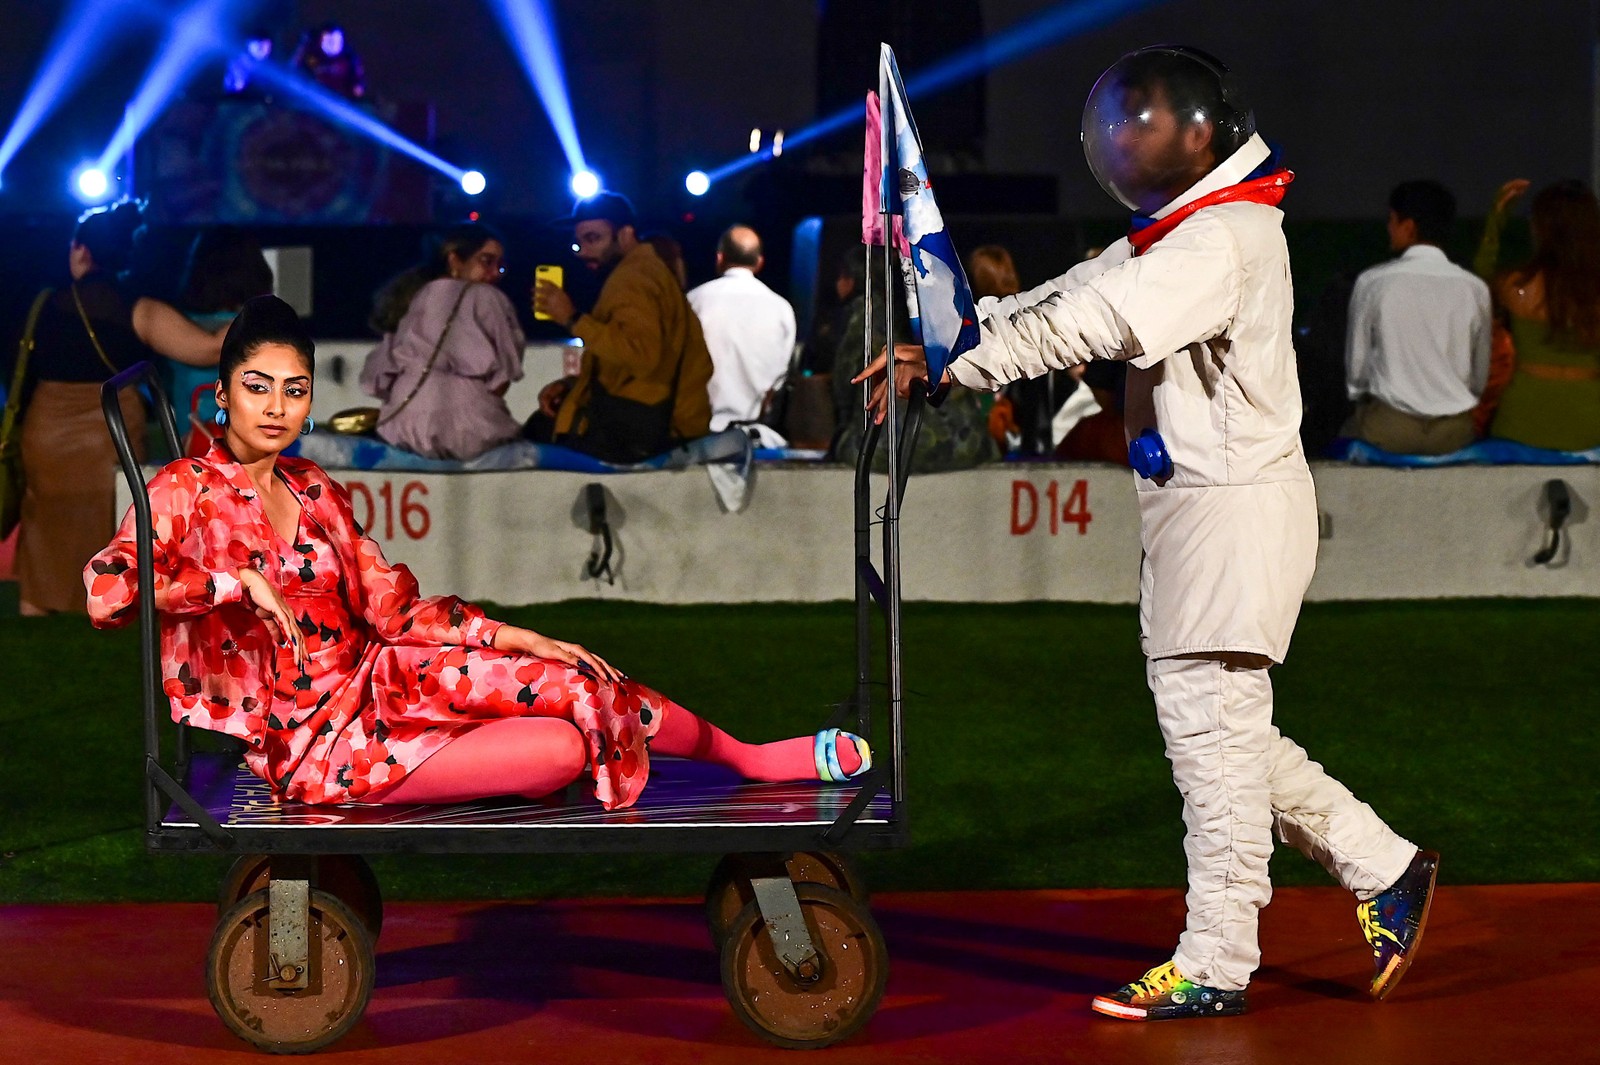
(1033, 756)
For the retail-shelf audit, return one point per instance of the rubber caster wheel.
(729, 892)
(290, 1021)
(805, 1015)
(347, 876)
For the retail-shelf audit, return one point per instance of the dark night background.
(1359, 94)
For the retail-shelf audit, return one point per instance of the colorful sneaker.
(1162, 994)
(1392, 921)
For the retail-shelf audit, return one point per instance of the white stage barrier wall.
(998, 534)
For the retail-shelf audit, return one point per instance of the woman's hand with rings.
(910, 365)
(528, 642)
(273, 610)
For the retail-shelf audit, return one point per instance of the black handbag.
(624, 431)
(620, 430)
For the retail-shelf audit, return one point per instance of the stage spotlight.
(472, 183)
(697, 183)
(585, 183)
(90, 184)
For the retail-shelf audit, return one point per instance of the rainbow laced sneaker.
(1162, 994)
(1392, 921)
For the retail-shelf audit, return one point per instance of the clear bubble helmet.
(1160, 119)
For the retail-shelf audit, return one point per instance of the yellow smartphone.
(551, 274)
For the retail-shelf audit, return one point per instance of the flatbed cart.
(291, 967)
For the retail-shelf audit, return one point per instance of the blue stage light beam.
(532, 32)
(1042, 30)
(196, 34)
(69, 58)
(340, 110)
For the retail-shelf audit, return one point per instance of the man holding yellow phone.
(642, 386)
(546, 275)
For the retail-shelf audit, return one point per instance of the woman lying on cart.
(283, 624)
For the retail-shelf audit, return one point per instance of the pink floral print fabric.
(390, 676)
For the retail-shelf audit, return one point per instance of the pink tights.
(534, 756)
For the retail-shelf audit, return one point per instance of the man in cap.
(641, 388)
(1197, 300)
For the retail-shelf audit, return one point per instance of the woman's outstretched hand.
(528, 642)
(1509, 192)
(273, 610)
(910, 364)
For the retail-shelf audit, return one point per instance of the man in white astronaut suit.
(1198, 302)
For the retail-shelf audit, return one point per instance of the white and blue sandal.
(826, 752)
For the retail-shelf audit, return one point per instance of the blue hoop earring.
(310, 424)
(221, 417)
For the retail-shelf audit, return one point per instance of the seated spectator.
(443, 367)
(1101, 436)
(1034, 417)
(225, 268)
(832, 311)
(641, 388)
(1417, 349)
(749, 330)
(1552, 308)
(953, 435)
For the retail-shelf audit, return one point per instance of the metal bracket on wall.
(599, 565)
(1557, 505)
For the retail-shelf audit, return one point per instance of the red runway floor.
(1506, 975)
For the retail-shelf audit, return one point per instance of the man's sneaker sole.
(1385, 981)
(1121, 1011)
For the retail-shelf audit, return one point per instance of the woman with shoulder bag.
(452, 346)
(87, 331)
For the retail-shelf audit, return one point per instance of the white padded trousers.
(1240, 778)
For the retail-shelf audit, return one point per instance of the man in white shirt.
(749, 328)
(1417, 350)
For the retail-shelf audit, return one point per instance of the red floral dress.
(390, 677)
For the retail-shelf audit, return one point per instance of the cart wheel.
(246, 876)
(729, 889)
(290, 1021)
(347, 876)
(804, 1016)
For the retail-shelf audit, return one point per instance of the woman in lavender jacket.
(451, 348)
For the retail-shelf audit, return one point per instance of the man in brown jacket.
(642, 385)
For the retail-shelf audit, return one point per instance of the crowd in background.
(1417, 355)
